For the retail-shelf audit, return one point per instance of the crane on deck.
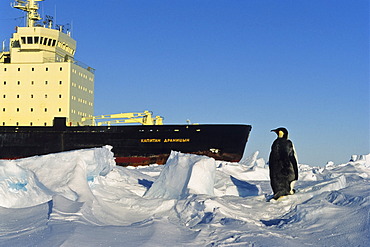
(144, 118)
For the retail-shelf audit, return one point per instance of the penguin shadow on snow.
(244, 188)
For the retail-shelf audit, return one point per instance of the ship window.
(36, 40)
(46, 96)
(32, 82)
(17, 123)
(31, 96)
(49, 43)
(4, 96)
(54, 42)
(3, 123)
(60, 109)
(46, 82)
(33, 69)
(19, 69)
(46, 109)
(17, 96)
(4, 82)
(61, 68)
(45, 124)
(4, 69)
(23, 39)
(19, 83)
(60, 96)
(60, 82)
(17, 109)
(45, 41)
(47, 69)
(31, 109)
(30, 123)
(29, 40)
(3, 109)
(41, 40)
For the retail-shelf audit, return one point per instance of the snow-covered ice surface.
(81, 198)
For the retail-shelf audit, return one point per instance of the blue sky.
(299, 64)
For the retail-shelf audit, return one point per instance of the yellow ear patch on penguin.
(281, 134)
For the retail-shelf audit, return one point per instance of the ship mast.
(31, 8)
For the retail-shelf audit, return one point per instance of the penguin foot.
(281, 198)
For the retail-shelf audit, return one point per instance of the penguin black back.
(282, 164)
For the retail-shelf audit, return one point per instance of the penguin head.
(281, 132)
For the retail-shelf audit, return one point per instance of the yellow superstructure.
(39, 77)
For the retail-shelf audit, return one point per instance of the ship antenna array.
(31, 7)
(48, 21)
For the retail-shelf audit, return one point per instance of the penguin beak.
(273, 130)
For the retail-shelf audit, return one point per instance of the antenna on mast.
(31, 7)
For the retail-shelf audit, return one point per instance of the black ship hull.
(132, 145)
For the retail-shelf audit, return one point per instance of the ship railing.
(82, 65)
(74, 61)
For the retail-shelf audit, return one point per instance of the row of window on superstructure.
(82, 75)
(31, 96)
(79, 113)
(33, 82)
(83, 101)
(85, 89)
(31, 109)
(33, 69)
(30, 40)
(60, 69)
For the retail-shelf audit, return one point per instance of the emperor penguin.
(282, 164)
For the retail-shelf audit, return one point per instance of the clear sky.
(299, 64)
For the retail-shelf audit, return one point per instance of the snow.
(81, 198)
